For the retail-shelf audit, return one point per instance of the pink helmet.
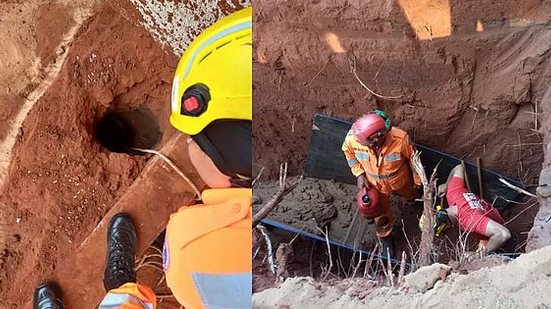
(367, 125)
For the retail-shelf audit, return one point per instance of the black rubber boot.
(387, 244)
(121, 250)
(47, 296)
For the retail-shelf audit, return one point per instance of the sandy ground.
(522, 283)
(37, 50)
(61, 182)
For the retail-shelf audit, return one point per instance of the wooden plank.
(479, 173)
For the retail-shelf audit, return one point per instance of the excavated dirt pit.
(468, 81)
(82, 83)
(61, 181)
(316, 204)
(122, 130)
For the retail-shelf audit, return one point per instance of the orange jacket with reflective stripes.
(208, 250)
(391, 170)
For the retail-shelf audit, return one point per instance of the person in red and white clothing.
(473, 214)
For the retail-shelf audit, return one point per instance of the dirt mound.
(61, 182)
(528, 288)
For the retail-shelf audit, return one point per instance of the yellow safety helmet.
(213, 80)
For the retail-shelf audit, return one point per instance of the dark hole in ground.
(120, 130)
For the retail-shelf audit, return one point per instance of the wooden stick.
(505, 182)
(466, 175)
(536, 114)
(174, 167)
(284, 189)
(478, 170)
(350, 227)
(326, 234)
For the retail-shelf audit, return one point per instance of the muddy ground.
(316, 204)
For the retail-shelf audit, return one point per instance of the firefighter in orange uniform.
(379, 155)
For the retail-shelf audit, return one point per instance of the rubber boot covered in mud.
(387, 245)
(121, 249)
(47, 296)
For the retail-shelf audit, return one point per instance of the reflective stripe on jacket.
(388, 172)
(130, 296)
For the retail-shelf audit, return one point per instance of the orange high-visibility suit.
(389, 171)
(207, 256)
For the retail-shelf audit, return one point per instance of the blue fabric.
(226, 291)
(352, 162)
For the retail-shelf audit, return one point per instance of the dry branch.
(479, 173)
(328, 270)
(520, 213)
(371, 256)
(357, 265)
(269, 248)
(352, 63)
(388, 271)
(508, 184)
(174, 167)
(466, 176)
(284, 189)
(258, 176)
(402, 270)
(427, 236)
(411, 251)
(318, 73)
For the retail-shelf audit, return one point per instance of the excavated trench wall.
(468, 76)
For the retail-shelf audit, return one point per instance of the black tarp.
(326, 161)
